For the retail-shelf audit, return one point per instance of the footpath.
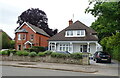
(53, 66)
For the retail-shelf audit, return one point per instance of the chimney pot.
(70, 22)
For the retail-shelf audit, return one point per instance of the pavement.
(95, 68)
(53, 66)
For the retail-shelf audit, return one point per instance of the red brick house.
(28, 35)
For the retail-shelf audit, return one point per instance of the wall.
(84, 61)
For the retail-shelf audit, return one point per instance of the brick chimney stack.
(70, 22)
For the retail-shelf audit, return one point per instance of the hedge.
(32, 54)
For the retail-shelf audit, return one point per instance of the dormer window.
(75, 33)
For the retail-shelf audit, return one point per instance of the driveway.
(106, 68)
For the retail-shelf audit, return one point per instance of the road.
(18, 71)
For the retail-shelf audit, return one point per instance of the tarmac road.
(18, 71)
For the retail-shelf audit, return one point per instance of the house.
(77, 37)
(28, 35)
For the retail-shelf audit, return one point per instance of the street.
(18, 71)
(104, 69)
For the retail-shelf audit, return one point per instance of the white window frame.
(74, 33)
(64, 47)
(24, 35)
(19, 36)
(31, 37)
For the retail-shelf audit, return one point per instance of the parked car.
(101, 56)
(65, 52)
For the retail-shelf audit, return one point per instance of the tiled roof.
(75, 26)
(22, 30)
(38, 30)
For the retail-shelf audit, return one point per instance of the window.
(24, 36)
(19, 36)
(75, 33)
(32, 37)
(65, 47)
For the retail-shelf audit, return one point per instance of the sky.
(59, 12)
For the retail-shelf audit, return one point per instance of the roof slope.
(75, 26)
(36, 29)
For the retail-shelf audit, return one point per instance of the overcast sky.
(59, 12)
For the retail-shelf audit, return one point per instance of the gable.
(33, 28)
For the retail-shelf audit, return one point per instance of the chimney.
(70, 22)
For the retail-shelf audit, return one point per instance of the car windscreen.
(104, 53)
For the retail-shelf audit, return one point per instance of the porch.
(74, 46)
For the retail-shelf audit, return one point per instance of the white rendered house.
(77, 37)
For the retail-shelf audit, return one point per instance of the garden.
(39, 54)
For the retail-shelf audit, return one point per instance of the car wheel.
(93, 59)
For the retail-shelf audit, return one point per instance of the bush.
(4, 52)
(19, 53)
(76, 55)
(59, 55)
(12, 51)
(48, 52)
(25, 53)
(41, 54)
(36, 49)
(116, 53)
(32, 54)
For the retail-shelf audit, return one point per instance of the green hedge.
(4, 52)
(36, 49)
(59, 55)
(76, 55)
(32, 54)
(42, 54)
(22, 53)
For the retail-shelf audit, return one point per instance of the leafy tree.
(0, 41)
(108, 16)
(36, 17)
(107, 25)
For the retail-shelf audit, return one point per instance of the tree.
(36, 17)
(108, 18)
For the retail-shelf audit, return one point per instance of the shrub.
(25, 53)
(32, 54)
(76, 55)
(12, 51)
(48, 52)
(19, 53)
(4, 52)
(41, 54)
(59, 55)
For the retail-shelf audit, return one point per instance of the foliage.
(59, 55)
(4, 52)
(12, 51)
(36, 17)
(112, 44)
(41, 54)
(19, 53)
(107, 14)
(12, 44)
(36, 49)
(48, 52)
(6, 42)
(25, 53)
(76, 55)
(32, 54)
(107, 25)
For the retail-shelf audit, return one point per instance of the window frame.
(75, 33)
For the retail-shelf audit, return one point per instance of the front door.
(19, 47)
